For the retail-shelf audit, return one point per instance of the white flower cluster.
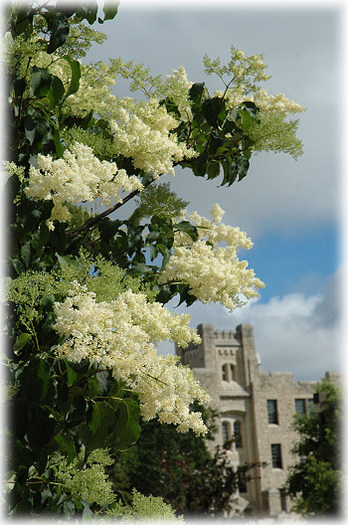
(267, 104)
(79, 176)
(142, 131)
(121, 335)
(276, 103)
(213, 272)
(177, 87)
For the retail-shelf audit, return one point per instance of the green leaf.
(93, 386)
(189, 228)
(128, 428)
(102, 378)
(40, 83)
(200, 165)
(153, 252)
(96, 417)
(21, 341)
(25, 252)
(108, 228)
(197, 92)
(213, 169)
(88, 12)
(243, 166)
(228, 178)
(75, 75)
(23, 22)
(71, 374)
(29, 129)
(110, 10)
(185, 296)
(56, 92)
(66, 445)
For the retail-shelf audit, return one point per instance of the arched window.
(225, 372)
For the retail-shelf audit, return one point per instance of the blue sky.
(291, 209)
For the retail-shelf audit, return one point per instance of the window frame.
(276, 455)
(238, 434)
(304, 402)
(226, 431)
(272, 414)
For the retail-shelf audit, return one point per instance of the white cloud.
(297, 333)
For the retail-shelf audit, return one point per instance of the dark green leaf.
(200, 165)
(40, 428)
(38, 385)
(59, 28)
(108, 228)
(68, 10)
(197, 92)
(213, 169)
(214, 111)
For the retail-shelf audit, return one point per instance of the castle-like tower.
(257, 410)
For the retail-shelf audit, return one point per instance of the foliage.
(86, 291)
(315, 483)
(197, 480)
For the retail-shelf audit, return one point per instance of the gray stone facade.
(257, 410)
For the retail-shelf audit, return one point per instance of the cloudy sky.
(291, 209)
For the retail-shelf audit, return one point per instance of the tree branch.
(90, 223)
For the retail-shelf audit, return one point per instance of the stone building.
(257, 412)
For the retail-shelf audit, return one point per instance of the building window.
(226, 431)
(276, 456)
(225, 372)
(300, 406)
(228, 372)
(283, 500)
(272, 411)
(237, 434)
(242, 487)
